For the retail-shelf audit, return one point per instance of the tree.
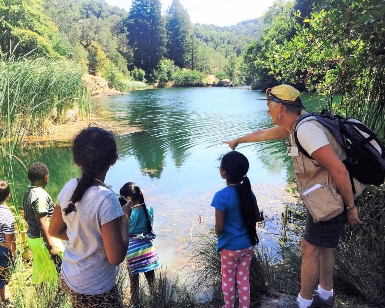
(25, 25)
(146, 34)
(178, 28)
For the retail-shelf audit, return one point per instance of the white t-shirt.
(318, 137)
(85, 267)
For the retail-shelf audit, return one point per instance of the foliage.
(359, 271)
(220, 75)
(256, 55)
(24, 24)
(340, 50)
(115, 77)
(235, 70)
(33, 94)
(138, 74)
(178, 30)
(165, 70)
(97, 59)
(83, 23)
(146, 34)
(188, 78)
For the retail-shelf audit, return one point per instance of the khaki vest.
(309, 173)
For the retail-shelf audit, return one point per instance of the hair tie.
(70, 208)
(245, 176)
(140, 193)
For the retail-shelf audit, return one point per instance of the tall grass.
(33, 94)
(360, 269)
(207, 272)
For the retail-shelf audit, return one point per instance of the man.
(319, 238)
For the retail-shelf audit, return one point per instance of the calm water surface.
(174, 158)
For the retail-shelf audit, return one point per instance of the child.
(38, 208)
(236, 214)
(7, 237)
(89, 216)
(141, 255)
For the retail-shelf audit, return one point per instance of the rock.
(225, 83)
(98, 86)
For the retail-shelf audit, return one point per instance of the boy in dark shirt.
(38, 208)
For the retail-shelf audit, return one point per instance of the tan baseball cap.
(284, 92)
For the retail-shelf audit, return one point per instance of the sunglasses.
(272, 97)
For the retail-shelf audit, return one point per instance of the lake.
(174, 158)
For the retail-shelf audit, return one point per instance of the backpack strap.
(333, 124)
(303, 118)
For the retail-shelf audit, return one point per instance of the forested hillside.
(138, 45)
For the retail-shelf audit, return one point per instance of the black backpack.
(365, 155)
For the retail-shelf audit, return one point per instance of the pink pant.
(235, 266)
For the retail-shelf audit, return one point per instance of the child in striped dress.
(141, 254)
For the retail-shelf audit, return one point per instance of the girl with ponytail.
(236, 215)
(90, 218)
(141, 254)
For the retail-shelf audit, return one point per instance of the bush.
(115, 78)
(220, 75)
(138, 74)
(188, 78)
(166, 68)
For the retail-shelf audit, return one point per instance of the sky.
(217, 12)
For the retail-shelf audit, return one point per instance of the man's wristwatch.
(348, 208)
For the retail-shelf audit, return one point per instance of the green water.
(174, 157)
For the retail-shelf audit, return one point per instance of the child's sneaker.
(318, 302)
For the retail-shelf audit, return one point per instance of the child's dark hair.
(236, 166)
(132, 190)
(37, 171)
(94, 149)
(4, 191)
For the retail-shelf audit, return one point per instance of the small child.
(236, 214)
(7, 237)
(38, 208)
(141, 255)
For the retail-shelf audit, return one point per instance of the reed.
(34, 93)
(135, 85)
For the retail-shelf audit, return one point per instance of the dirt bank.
(97, 87)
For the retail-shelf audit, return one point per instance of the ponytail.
(85, 182)
(133, 191)
(249, 209)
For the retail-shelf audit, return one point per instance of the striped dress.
(141, 254)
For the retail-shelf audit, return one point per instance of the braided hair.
(133, 191)
(93, 150)
(236, 166)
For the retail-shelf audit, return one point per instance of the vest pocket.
(323, 201)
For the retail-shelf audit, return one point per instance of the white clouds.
(218, 12)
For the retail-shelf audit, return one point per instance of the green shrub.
(188, 78)
(165, 70)
(115, 78)
(220, 75)
(138, 74)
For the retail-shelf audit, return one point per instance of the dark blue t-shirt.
(234, 236)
